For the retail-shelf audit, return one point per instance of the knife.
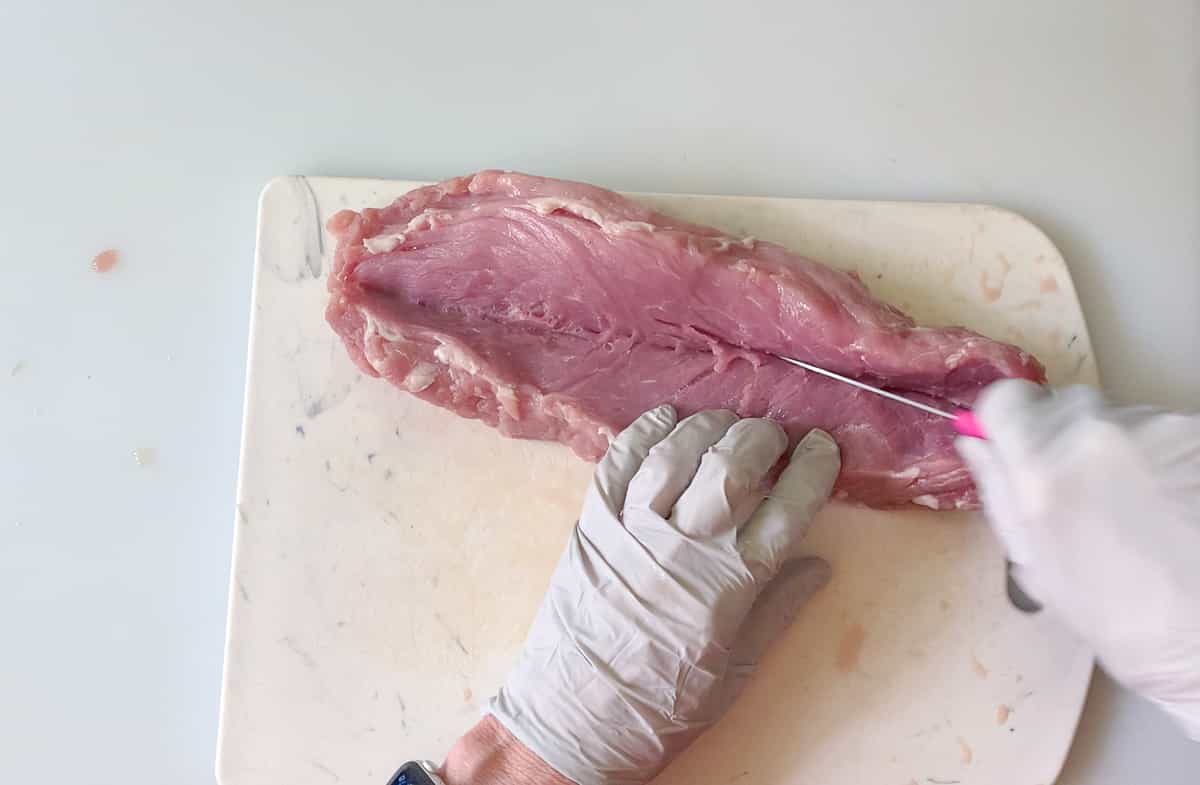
(965, 422)
(963, 419)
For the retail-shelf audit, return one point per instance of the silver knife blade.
(1019, 599)
(864, 386)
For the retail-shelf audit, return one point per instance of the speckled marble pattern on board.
(389, 556)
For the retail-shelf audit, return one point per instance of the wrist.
(489, 755)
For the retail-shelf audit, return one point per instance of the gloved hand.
(674, 582)
(1099, 508)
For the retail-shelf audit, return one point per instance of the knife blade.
(965, 423)
(964, 420)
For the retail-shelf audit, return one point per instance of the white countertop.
(151, 131)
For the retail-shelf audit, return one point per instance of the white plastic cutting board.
(389, 556)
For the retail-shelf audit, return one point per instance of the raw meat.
(557, 310)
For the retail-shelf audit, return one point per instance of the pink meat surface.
(558, 310)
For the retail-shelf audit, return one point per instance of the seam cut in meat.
(561, 311)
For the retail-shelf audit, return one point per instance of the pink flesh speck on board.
(105, 261)
(850, 647)
(965, 753)
(978, 667)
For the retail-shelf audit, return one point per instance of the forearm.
(489, 755)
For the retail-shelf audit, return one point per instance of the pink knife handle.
(966, 423)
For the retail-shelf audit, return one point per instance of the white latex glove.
(1099, 508)
(675, 580)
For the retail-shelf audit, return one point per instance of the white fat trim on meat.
(426, 219)
(383, 243)
(545, 205)
(566, 412)
(507, 396)
(370, 330)
(390, 237)
(373, 327)
(456, 358)
(953, 359)
(725, 243)
(424, 374)
(926, 500)
(420, 377)
(751, 272)
(630, 226)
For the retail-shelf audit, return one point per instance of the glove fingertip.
(815, 464)
(808, 575)
(646, 431)
(625, 454)
(663, 414)
(818, 449)
(817, 440)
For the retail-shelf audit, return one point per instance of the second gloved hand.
(675, 580)
(1099, 508)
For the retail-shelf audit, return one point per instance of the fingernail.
(816, 439)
